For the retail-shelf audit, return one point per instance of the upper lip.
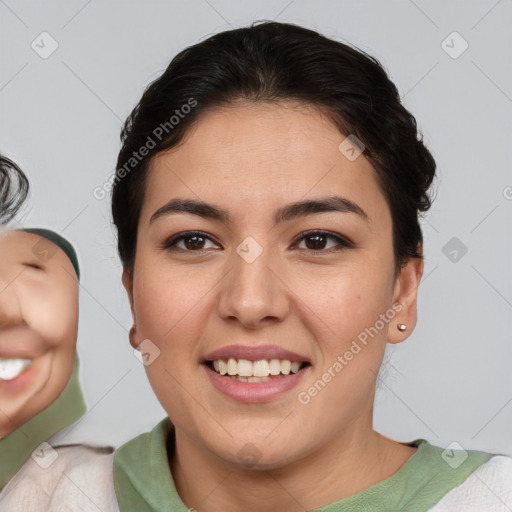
(254, 353)
(20, 343)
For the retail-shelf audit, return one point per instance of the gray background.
(60, 118)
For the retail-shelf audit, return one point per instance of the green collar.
(144, 482)
(16, 448)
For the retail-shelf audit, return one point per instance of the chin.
(251, 458)
(255, 452)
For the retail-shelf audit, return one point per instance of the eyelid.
(171, 241)
(30, 264)
(344, 242)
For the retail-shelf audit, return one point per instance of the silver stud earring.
(402, 327)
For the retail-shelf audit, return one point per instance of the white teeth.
(252, 379)
(295, 367)
(246, 370)
(260, 368)
(11, 368)
(258, 379)
(286, 367)
(232, 367)
(275, 367)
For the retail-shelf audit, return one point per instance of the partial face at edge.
(38, 327)
(199, 294)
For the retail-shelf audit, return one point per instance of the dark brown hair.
(14, 189)
(270, 61)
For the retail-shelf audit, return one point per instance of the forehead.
(19, 246)
(254, 157)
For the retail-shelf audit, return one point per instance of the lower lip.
(22, 381)
(254, 392)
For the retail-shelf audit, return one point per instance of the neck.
(352, 461)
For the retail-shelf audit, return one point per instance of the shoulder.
(54, 478)
(488, 487)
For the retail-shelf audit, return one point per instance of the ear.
(405, 293)
(127, 280)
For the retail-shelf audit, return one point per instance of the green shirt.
(144, 483)
(17, 447)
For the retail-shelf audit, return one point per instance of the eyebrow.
(284, 214)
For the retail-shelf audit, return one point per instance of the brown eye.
(317, 241)
(192, 241)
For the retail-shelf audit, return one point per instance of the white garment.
(80, 479)
(487, 489)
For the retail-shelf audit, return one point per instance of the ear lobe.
(133, 336)
(406, 294)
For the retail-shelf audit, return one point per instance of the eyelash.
(344, 243)
(33, 265)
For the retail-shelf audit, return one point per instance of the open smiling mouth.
(263, 370)
(12, 368)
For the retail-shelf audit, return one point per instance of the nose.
(10, 307)
(253, 293)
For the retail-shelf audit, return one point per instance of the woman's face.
(294, 260)
(38, 326)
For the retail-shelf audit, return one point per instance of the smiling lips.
(262, 363)
(262, 370)
(19, 348)
(12, 368)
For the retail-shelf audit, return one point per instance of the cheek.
(341, 313)
(341, 302)
(170, 307)
(53, 315)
